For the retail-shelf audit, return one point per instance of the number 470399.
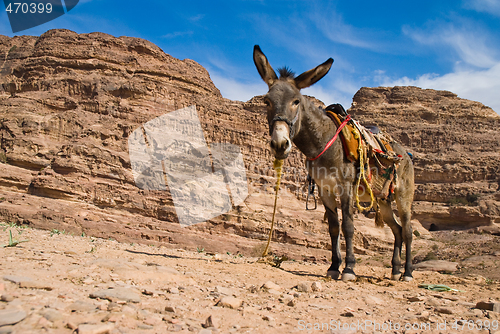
(25, 8)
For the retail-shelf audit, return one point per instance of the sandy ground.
(58, 283)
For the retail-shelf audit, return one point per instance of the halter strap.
(290, 124)
(330, 143)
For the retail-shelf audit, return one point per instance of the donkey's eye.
(296, 102)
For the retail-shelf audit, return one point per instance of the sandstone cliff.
(69, 102)
(455, 145)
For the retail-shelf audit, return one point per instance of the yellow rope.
(362, 174)
(278, 167)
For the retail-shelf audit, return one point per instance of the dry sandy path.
(57, 283)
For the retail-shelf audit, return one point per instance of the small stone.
(52, 315)
(253, 289)
(126, 294)
(170, 309)
(452, 298)
(489, 306)
(44, 323)
(291, 303)
(416, 299)
(144, 326)
(95, 329)
(148, 292)
(424, 314)
(81, 306)
(271, 285)
(16, 279)
(209, 322)
(316, 286)
(273, 292)
(35, 285)
(348, 312)
(267, 318)
(71, 325)
(374, 300)
(224, 291)
(304, 287)
(6, 298)
(437, 265)
(11, 316)
(285, 299)
(444, 310)
(230, 302)
(152, 321)
(173, 291)
(114, 307)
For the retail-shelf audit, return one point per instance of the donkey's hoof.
(395, 277)
(407, 278)
(333, 274)
(346, 277)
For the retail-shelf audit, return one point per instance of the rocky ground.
(53, 282)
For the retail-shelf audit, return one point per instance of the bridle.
(290, 123)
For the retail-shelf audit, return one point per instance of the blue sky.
(446, 44)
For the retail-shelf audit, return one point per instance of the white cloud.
(475, 57)
(470, 45)
(487, 6)
(237, 90)
(340, 32)
(329, 96)
(177, 34)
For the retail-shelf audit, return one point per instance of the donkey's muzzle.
(280, 141)
(280, 148)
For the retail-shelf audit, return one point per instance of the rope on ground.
(278, 167)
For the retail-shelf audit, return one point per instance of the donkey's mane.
(286, 73)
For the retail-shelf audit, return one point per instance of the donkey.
(293, 118)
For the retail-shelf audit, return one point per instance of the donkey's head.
(284, 102)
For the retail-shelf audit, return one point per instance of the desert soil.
(59, 283)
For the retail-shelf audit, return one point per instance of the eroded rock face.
(69, 102)
(455, 145)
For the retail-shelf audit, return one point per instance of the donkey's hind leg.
(404, 209)
(391, 220)
(348, 232)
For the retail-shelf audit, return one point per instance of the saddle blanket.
(382, 160)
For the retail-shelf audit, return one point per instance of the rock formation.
(69, 101)
(455, 145)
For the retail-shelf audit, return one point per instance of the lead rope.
(278, 167)
(362, 174)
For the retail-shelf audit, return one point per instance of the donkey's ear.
(265, 70)
(310, 77)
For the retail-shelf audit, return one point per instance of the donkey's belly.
(330, 187)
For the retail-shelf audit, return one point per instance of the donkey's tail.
(379, 221)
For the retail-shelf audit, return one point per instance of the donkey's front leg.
(348, 231)
(334, 229)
